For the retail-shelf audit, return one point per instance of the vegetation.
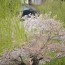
(11, 34)
(56, 7)
(57, 61)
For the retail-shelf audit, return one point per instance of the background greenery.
(57, 61)
(11, 33)
(57, 7)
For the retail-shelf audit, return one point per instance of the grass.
(11, 33)
(57, 61)
(52, 54)
(57, 7)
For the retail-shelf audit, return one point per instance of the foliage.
(8, 7)
(10, 31)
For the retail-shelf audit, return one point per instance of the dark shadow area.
(27, 12)
(36, 60)
(22, 62)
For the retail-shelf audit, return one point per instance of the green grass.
(57, 61)
(52, 54)
(57, 7)
(11, 34)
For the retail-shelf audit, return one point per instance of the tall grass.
(57, 7)
(11, 34)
